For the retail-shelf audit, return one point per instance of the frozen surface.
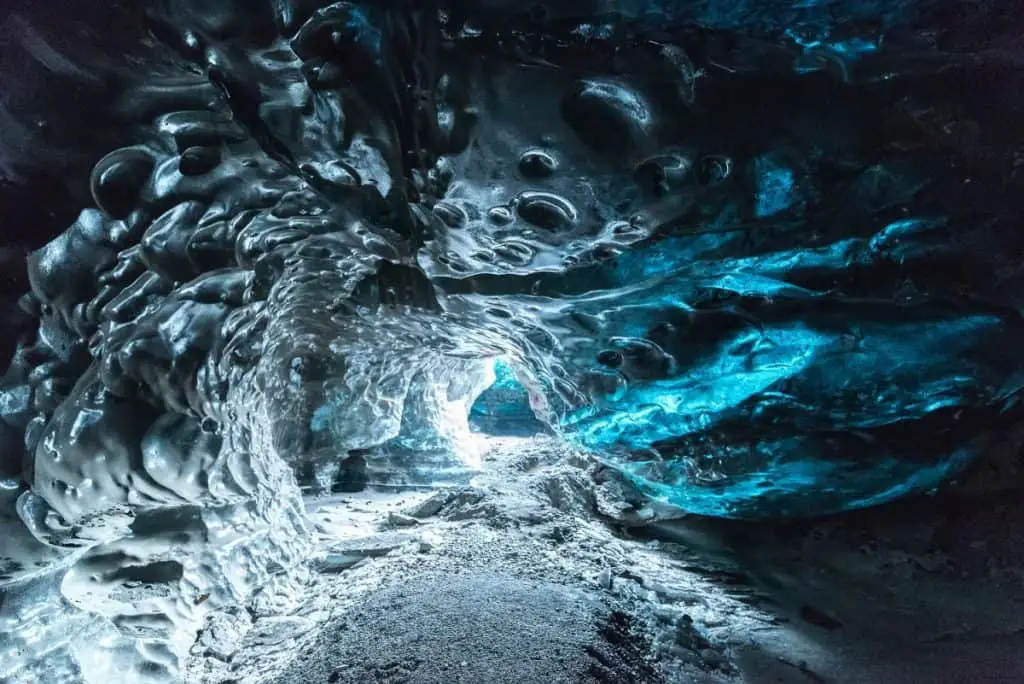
(759, 258)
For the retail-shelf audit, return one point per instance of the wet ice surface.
(755, 259)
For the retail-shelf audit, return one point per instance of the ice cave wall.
(754, 255)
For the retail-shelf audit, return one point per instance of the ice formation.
(752, 254)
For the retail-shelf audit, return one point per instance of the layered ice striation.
(755, 255)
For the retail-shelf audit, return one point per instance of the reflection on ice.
(750, 254)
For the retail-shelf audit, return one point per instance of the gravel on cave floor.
(543, 569)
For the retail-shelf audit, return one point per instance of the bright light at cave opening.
(469, 445)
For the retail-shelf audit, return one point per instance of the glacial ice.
(751, 254)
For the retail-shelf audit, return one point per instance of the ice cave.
(486, 341)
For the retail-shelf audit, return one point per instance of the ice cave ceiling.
(762, 257)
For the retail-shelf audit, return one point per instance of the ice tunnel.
(756, 260)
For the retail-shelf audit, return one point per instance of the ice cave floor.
(546, 568)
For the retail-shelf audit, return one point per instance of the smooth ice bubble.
(537, 164)
(752, 255)
(546, 210)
